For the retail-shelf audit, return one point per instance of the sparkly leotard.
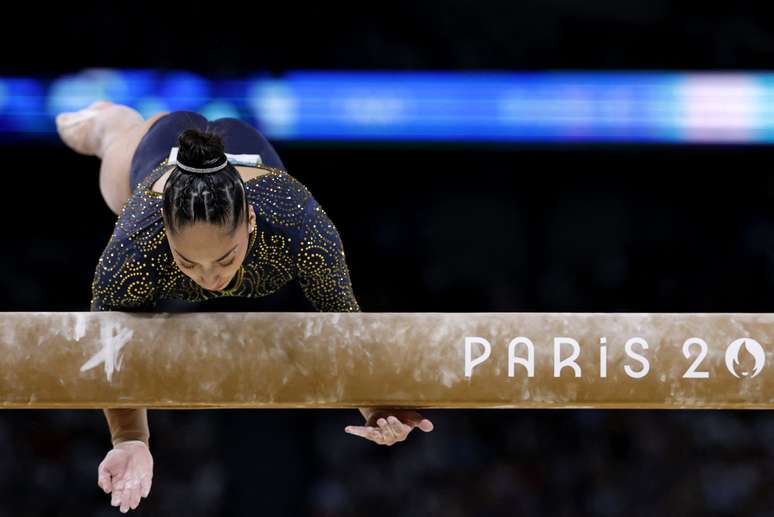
(293, 239)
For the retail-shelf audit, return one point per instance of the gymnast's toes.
(77, 129)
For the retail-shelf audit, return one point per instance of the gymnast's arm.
(125, 281)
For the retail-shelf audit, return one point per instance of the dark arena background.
(551, 156)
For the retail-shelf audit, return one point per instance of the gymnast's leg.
(111, 132)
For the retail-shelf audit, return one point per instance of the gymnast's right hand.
(126, 471)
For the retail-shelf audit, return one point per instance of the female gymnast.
(205, 210)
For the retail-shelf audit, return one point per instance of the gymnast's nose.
(211, 283)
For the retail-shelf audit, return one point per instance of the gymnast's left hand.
(389, 426)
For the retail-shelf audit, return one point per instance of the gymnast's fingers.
(369, 433)
(146, 484)
(426, 425)
(103, 480)
(377, 436)
(387, 433)
(127, 496)
(399, 429)
(115, 498)
(135, 496)
(125, 501)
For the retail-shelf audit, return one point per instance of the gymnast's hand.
(126, 471)
(389, 426)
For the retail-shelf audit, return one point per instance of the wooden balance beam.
(409, 360)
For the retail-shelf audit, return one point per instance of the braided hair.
(216, 198)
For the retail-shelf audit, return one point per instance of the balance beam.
(409, 360)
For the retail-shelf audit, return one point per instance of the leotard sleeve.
(320, 263)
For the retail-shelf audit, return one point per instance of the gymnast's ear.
(252, 220)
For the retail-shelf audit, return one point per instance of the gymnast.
(205, 210)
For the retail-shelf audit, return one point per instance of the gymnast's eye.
(186, 266)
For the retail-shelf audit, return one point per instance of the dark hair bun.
(199, 149)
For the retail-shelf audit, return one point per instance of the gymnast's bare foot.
(76, 128)
(91, 130)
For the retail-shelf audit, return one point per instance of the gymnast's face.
(208, 254)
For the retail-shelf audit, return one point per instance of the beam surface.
(411, 360)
